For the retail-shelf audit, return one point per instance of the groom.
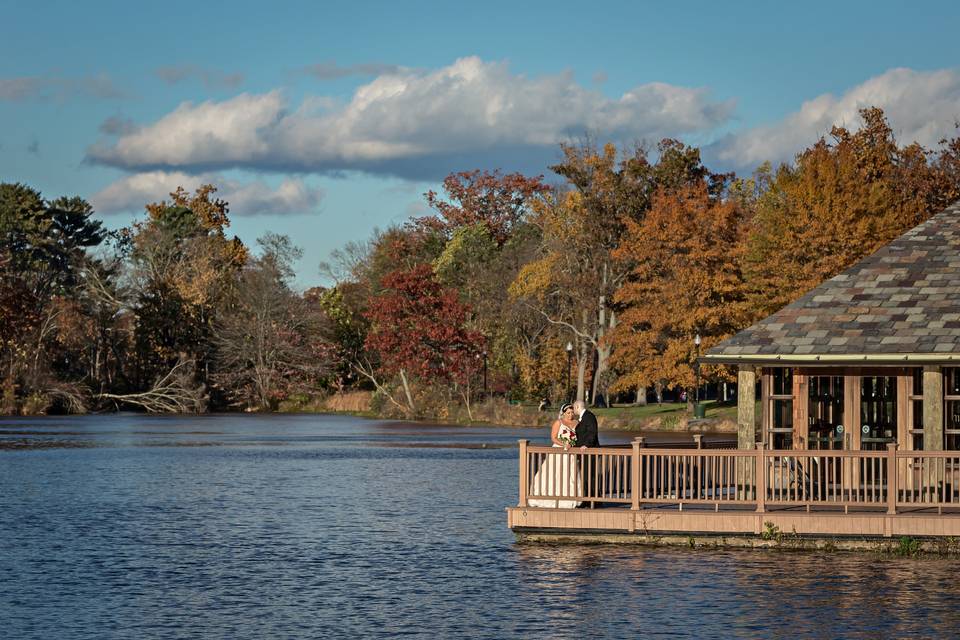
(587, 437)
(587, 427)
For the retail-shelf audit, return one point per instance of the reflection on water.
(306, 526)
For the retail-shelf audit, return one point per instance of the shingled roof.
(898, 305)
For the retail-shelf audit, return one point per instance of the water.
(316, 526)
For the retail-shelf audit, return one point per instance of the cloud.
(212, 79)
(331, 71)
(98, 86)
(19, 88)
(411, 124)
(922, 106)
(131, 193)
(118, 126)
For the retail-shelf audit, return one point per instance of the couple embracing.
(560, 474)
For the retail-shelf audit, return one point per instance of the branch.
(585, 336)
(174, 392)
(70, 394)
(368, 374)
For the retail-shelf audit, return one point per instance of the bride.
(559, 474)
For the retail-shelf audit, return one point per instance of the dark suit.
(587, 430)
(587, 436)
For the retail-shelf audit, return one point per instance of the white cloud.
(921, 106)
(131, 193)
(223, 134)
(412, 124)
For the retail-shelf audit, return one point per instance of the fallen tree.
(175, 392)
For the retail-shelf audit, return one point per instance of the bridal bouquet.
(568, 439)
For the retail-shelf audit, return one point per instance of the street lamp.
(696, 366)
(569, 364)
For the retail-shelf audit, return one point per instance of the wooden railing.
(639, 476)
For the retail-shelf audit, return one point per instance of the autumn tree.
(573, 280)
(498, 202)
(418, 333)
(843, 199)
(685, 280)
(483, 218)
(183, 268)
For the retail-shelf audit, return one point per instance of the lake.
(290, 526)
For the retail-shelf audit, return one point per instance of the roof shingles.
(903, 299)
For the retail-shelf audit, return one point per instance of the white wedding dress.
(559, 476)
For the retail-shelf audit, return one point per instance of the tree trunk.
(406, 391)
(582, 371)
(602, 350)
(641, 396)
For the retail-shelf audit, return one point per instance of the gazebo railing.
(641, 477)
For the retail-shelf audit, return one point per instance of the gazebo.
(868, 358)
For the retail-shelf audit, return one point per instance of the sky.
(324, 121)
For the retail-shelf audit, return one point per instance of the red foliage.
(418, 326)
(498, 201)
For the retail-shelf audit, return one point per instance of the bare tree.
(268, 344)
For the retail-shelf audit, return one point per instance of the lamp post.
(569, 364)
(696, 367)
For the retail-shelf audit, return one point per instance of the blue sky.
(324, 121)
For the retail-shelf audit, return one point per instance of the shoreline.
(667, 418)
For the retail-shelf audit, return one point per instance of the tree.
(43, 247)
(183, 270)
(574, 279)
(417, 330)
(685, 280)
(841, 201)
(268, 343)
(498, 202)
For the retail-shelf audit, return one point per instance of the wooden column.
(760, 472)
(635, 476)
(746, 407)
(904, 413)
(932, 408)
(766, 417)
(801, 410)
(524, 473)
(851, 408)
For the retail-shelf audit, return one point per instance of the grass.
(714, 409)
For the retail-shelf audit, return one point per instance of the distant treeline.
(624, 257)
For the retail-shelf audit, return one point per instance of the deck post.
(635, 474)
(746, 407)
(523, 473)
(892, 489)
(932, 409)
(761, 476)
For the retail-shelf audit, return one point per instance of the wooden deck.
(722, 492)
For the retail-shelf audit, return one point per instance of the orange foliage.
(686, 280)
(842, 201)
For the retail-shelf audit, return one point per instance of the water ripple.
(311, 527)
